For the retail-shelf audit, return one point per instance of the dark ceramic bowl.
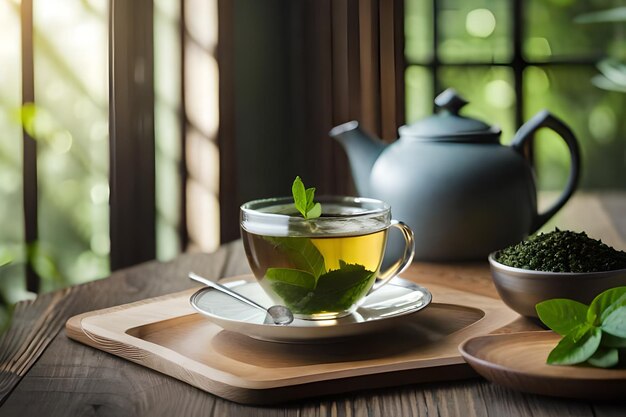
(522, 289)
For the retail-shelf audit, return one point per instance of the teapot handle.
(525, 133)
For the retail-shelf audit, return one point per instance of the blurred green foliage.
(70, 124)
(480, 32)
(475, 31)
(612, 75)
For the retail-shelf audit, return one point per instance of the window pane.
(490, 93)
(71, 129)
(418, 31)
(552, 33)
(594, 115)
(419, 93)
(168, 130)
(475, 30)
(202, 107)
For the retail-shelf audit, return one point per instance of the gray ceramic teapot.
(461, 191)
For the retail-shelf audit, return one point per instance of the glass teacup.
(321, 268)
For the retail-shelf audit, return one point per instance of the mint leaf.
(302, 253)
(336, 290)
(310, 194)
(594, 335)
(314, 212)
(605, 303)
(615, 323)
(339, 289)
(291, 276)
(346, 277)
(294, 297)
(299, 195)
(293, 286)
(604, 358)
(304, 200)
(561, 315)
(577, 346)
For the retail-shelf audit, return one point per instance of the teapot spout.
(362, 150)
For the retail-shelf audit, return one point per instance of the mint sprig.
(595, 334)
(303, 200)
(335, 290)
(308, 287)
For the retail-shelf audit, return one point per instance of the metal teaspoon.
(280, 315)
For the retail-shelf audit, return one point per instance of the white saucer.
(380, 310)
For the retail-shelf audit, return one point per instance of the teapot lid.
(448, 125)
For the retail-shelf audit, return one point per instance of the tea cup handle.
(401, 264)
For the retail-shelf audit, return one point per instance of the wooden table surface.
(43, 373)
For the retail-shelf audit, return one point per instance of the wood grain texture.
(34, 327)
(66, 378)
(36, 323)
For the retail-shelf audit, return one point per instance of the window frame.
(517, 63)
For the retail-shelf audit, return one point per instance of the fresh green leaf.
(339, 289)
(303, 199)
(293, 286)
(336, 290)
(299, 195)
(577, 346)
(310, 195)
(620, 302)
(348, 276)
(615, 323)
(605, 303)
(292, 277)
(561, 315)
(301, 252)
(610, 341)
(604, 358)
(594, 335)
(315, 211)
(293, 296)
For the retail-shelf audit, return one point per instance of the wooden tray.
(165, 334)
(518, 361)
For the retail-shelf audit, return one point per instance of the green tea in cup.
(320, 268)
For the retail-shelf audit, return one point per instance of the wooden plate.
(167, 335)
(518, 361)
